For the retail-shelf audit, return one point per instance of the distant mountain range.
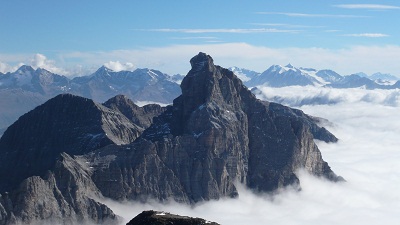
(27, 88)
(281, 76)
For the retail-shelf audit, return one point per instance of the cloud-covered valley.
(298, 96)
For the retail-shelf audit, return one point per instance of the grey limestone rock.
(141, 116)
(64, 196)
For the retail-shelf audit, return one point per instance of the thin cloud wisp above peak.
(367, 6)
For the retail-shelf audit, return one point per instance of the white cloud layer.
(366, 155)
(367, 6)
(371, 35)
(311, 95)
(117, 66)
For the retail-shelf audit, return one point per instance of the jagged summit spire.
(25, 68)
(201, 61)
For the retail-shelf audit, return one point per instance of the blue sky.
(72, 37)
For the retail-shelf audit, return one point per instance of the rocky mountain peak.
(140, 116)
(102, 71)
(201, 61)
(25, 68)
(290, 66)
(208, 86)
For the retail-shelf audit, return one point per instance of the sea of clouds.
(296, 96)
(367, 156)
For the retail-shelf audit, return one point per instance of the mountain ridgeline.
(216, 133)
(282, 76)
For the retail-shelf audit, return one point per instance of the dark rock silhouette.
(162, 218)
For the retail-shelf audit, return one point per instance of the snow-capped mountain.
(383, 76)
(38, 81)
(280, 76)
(353, 81)
(139, 85)
(244, 74)
(329, 76)
(380, 78)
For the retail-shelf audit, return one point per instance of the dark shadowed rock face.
(66, 123)
(162, 218)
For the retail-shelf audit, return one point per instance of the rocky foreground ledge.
(163, 218)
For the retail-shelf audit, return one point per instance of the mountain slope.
(141, 116)
(280, 76)
(66, 123)
(353, 81)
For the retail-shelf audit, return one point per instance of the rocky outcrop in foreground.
(74, 151)
(162, 218)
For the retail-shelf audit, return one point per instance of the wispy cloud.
(285, 25)
(367, 6)
(370, 35)
(235, 30)
(332, 31)
(194, 38)
(310, 15)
